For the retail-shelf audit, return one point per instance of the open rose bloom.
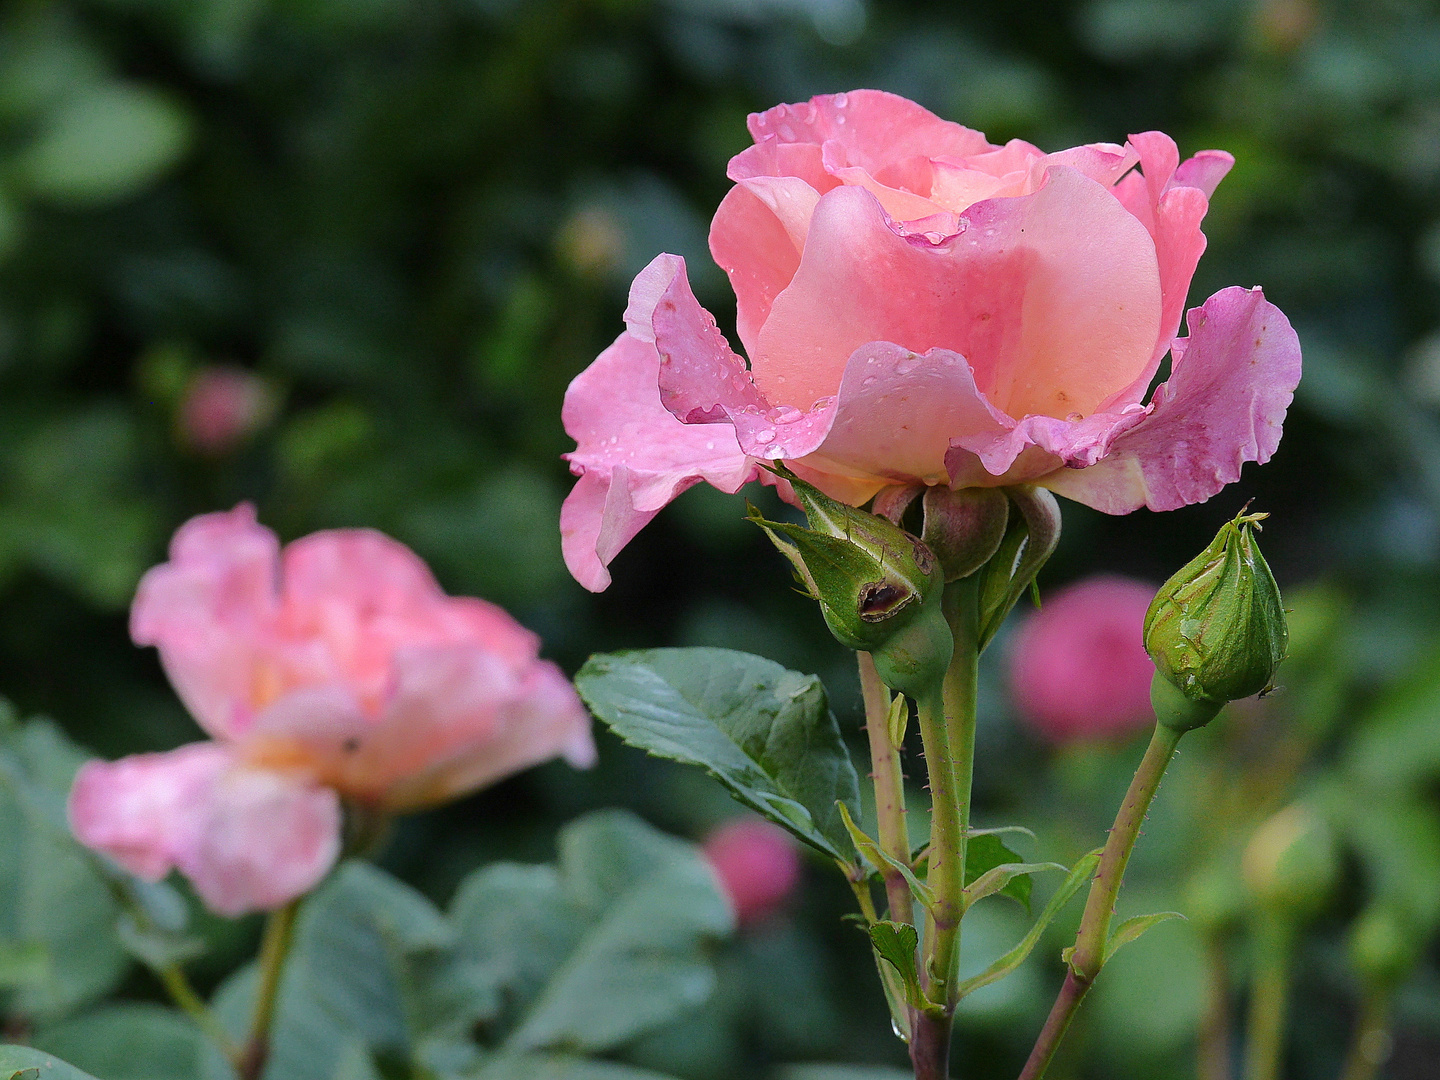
(921, 307)
(334, 668)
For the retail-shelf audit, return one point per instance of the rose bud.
(332, 670)
(878, 586)
(1078, 667)
(222, 407)
(1291, 864)
(1216, 630)
(757, 865)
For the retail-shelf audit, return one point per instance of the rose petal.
(1052, 297)
(756, 238)
(248, 839)
(1233, 381)
(205, 609)
(632, 456)
(875, 128)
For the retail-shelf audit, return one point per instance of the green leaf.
(23, 1063)
(1081, 873)
(644, 905)
(841, 1072)
(53, 896)
(364, 943)
(896, 944)
(1133, 927)
(132, 1042)
(764, 732)
(997, 878)
(984, 852)
(554, 1067)
(105, 143)
(879, 858)
(23, 963)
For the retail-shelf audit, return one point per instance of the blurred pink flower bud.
(222, 407)
(1078, 666)
(757, 864)
(334, 668)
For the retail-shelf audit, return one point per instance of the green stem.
(1269, 998)
(1213, 1049)
(889, 789)
(274, 947)
(172, 977)
(1372, 1042)
(947, 870)
(962, 678)
(1094, 934)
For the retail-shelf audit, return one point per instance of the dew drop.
(764, 436)
(841, 100)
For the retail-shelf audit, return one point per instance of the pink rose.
(757, 865)
(921, 307)
(336, 667)
(222, 407)
(1078, 666)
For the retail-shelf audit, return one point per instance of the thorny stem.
(1269, 997)
(889, 789)
(930, 1045)
(1372, 1043)
(1213, 1051)
(1094, 934)
(946, 873)
(960, 692)
(274, 947)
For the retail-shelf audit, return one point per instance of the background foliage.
(416, 221)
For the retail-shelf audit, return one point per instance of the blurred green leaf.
(840, 1072)
(549, 1067)
(605, 946)
(764, 732)
(104, 143)
(133, 1042)
(24, 1063)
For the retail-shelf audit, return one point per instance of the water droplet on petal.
(764, 436)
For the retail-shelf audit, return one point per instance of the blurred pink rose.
(921, 307)
(336, 667)
(222, 407)
(1078, 666)
(756, 863)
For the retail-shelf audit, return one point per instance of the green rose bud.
(1216, 630)
(1384, 945)
(1291, 863)
(878, 586)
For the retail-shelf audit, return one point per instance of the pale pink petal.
(267, 837)
(772, 158)
(874, 127)
(1052, 297)
(140, 810)
(207, 610)
(900, 203)
(1105, 163)
(460, 722)
(1204, 171)
(1233, 380)
(247, 838)
(756, 238)
(1037, 445)
(632, 456)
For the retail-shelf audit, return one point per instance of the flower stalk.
(889, 783)
(274, 948)
(1093, 937)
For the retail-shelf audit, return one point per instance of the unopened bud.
(964, 528)
(1383, 945)
(878, 586)
(1028, 542)
(1291, 863)
(1216, 630)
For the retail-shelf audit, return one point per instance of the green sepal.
(1027, 544)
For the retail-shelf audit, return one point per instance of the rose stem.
(274, 946)
(172, 977)
(1213, 1051)
(1269, 994)
(1094, 932)
(1371, 1044)
(889, 789)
